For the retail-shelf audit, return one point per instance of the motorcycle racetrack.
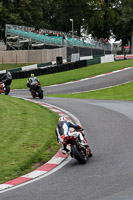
(108, 125)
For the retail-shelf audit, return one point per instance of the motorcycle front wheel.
(79, 154)
(7, 90)
(40, 94)
(33, 94)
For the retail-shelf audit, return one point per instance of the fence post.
(2, 63)
(91, 50)
(16, 59)
(104, 51)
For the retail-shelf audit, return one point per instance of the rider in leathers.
(62, 130)
(6, 77)
(31, 82)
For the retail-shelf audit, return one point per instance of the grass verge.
(12, 66)
(27, 135)
(121, 92)
(76, 74)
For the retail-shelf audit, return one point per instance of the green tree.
(123, 28)
(101, 17)
(23, 12)
(63, 11)
(7, 15)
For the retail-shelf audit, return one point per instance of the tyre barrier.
(52, 69)
(48, 70)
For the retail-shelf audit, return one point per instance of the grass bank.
(76, 74)
(121, 92)
(27, 135)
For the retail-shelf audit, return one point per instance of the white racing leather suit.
(62, 130)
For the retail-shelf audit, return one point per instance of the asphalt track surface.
(108, 175)
(94, 83)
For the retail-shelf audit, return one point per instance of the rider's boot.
(64, 149)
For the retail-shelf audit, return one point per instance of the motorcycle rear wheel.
(80, 157)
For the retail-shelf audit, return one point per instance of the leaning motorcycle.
(5, 86)
(36, 90)
(74, 147)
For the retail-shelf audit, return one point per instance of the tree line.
(100, 18)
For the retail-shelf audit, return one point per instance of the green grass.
(27, 136)
(121, 92)
(76, 74)
(11, 66)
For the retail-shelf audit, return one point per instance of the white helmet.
(62, 119)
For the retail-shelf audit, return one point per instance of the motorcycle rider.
(62, 130)
(6, 77)
(32, 81)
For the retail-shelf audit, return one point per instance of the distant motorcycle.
(5, 86)
(73, 146)
(36, 90)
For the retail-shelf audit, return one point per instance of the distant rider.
(62, 130)
(32, 81)
(6, 79)
(7, 76)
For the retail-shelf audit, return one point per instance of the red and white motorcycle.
(77, 149)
